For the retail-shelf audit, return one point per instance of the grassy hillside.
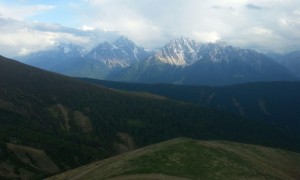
(274, 102)
(50, 119)
(191, 159)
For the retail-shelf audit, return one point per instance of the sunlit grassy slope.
(192, 159)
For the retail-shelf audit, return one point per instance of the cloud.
(87, 28)
(260, 31)
(253, 7)
(158, 21)
(19, 38)
(264, 25)
(206, 36)
(24, 11)
(229, 8)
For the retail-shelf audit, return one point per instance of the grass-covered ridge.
(192, 159)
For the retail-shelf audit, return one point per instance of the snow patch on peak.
(123, 41)
(178, 52)
(185, 52)
(113, 63)
(119, 54)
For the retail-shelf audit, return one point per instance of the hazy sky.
(265, 25)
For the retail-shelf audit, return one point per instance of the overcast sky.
(265, 25)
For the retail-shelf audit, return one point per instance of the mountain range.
(290, 60)
(181, 61)
(75, 60)
(61, 57)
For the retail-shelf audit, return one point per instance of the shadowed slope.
(69, 123)
(274, 102)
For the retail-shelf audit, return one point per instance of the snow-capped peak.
(179, 52)
(60, 49)
(121, 53)
(123, 41)
(184, 52)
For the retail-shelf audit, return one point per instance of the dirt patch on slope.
(263, 107)
(147, 177)
(238, 106)
(83, 122)
(33, 157)
(127, 143)
(60, 112)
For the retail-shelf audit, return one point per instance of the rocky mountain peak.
(119, 54)
(123, 41)
(178, 52)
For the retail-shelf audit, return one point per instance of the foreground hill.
(274, 102)
(50, 122)
(191, 159)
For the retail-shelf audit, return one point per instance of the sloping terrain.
(274, 102)
(24, 162)
(191, 159)
(68, 122)
(291, 61)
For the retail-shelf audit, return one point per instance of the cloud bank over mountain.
(264, 25)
